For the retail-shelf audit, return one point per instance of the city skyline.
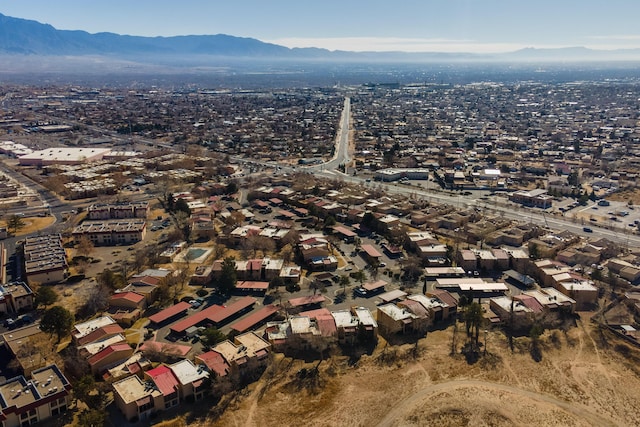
(377, 25)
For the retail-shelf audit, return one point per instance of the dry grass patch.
(32, 224)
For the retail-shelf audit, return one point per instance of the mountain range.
(26, 37)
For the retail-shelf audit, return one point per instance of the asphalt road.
(341, 153)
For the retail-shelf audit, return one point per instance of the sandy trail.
(403, 407)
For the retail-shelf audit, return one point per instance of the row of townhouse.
(145, 393)
(567, 281)
(316, 329)
(160, 388)
(101, 341)
(415, 313)
(112, 231)
(530, 306)
(118, 210)
(258, 269)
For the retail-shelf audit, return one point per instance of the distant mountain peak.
(26, 37)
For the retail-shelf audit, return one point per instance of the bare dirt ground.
(32, 224)
(626, 195)
(583, 379)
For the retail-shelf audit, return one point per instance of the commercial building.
(535, 198)
(394, 174)
(63, 156)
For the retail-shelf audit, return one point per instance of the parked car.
(25, 319)
(195, 303)
(361, 292)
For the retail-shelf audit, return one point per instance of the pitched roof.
(169, 312)
(215, 313)
(109, 350)
(308, 300)
(99, 333)
(325, 321)
(164, 379)
(255, 318)
(215, 362)
(129, 296)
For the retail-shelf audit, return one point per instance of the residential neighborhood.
(166, 276)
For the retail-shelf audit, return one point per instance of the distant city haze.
(475, 26)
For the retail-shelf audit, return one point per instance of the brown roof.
(372, 286)
(254, 286)
(302, 301)
(444, 296)
(371, 251)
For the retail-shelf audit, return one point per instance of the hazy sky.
(377, 25)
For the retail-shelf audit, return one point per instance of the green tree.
(359, 276)
(46, 296)
(276, 282)
(228, 275)
(57, 320)
(92, 418)
(212, 336)
(573, 178)
(536, 331)
(15, 223)
(329, 221)
(83, 387)
(181, 205)
(473, 321)
(534, 251)
(344, 282)
(110, 280)
(232, 188)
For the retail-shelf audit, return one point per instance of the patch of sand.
(576, 383)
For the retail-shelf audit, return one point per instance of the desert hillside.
(583, 377)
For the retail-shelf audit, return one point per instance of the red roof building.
(255, 319)
(215, 314)
(170, 312)
(252, 286)
(371, 251)
(164, 379)
(308, 300)
(374, 286)
(215, 362)
(127, 300)
(109, 357)
(101, 333)
(530, 302)
(325, 321)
